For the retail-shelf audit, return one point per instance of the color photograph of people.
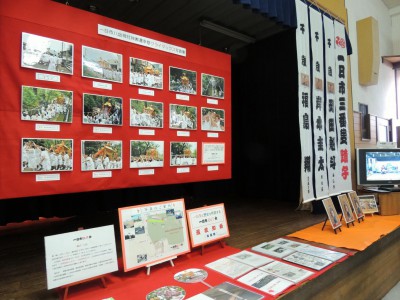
(147, 154)
(146, 113)
(101, 155)
(182, 81)
(43, 53)
(46, 155)
(146, 73)
(101, 64)
(46, 105)
(102, 110)
(212, 86)
(183, 154)
(212, 119)
(182, 117)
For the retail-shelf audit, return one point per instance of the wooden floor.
(369, 274)
(22, 256)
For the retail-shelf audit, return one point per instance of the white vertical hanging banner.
(330, 109)
(344, 183)
(304, 62)
(318, 104)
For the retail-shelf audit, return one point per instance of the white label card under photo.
(212, 101)
(183, 133)
(212, 168)
(47, 177)
(212, 134)
(146, 92)
(47, 127)
(102, 174)
(183, 170)
(146, 172)
(99, 129)
(146, 132)
(48, 77)
(102, 85)
(182, 97)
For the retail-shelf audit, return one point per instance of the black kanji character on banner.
(320, 143)
(332, 162)
(318, 66)
(307, 163)
(302, 28)
(331, 124)
(331, 105)
(330, 71)
(306, 121)
(342, 103)
(319, 123)
(321, 164)
(343, 136)
(342, 120)
(318, 104)
(304, 61)
(304, 101)
(332, 143)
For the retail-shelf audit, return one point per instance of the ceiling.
(391, 3)
(181, 19)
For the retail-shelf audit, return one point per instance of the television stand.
(394, 188)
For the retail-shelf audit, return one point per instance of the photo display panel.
(151, 104)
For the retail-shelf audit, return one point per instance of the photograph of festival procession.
(182, 117)
(145, 113)
(46, 105)
(182, 81)
(146, 73)
(147, 154)
(212, 119)
(212, 86)
(101, 155)
(183, 154)
(43, 53)
(101, 64)
(46, 155)
(102, 110)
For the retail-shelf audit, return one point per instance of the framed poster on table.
(355, 203)
(345, 205)
(332, 213)
(207, 224)
(152, 233)
(368, 204)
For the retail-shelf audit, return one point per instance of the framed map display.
(355, 203)
(331, 212)
(207, 224)
(152, 233)
(345, 205)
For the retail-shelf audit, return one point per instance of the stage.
(370, 268)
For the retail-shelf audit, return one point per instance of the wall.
(395, 14)
(380, 98)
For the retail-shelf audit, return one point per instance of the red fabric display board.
(60, 22)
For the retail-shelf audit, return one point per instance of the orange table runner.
(356, 237)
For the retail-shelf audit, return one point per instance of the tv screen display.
(378, 166)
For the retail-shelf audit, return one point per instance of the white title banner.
(139, 40)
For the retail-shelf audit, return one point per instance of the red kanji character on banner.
(344, 156)
(345, 172)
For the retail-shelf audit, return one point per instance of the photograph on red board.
(145, 113)
(212, 86)
(101, 155)
(101, 64)
(46, 105)
(146, 73)
(212, 119)
(182, 81)
(183, 154)
(46, 54)
(147, 154)
(182, 117)
(102, 110)
(46, 155)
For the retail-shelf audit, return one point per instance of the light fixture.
(229, 32)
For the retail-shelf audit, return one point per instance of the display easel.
(160, 262)
(221, 242)
(334, 229)
(347, 224)
(65, 294)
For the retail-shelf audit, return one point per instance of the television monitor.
(378, 167)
